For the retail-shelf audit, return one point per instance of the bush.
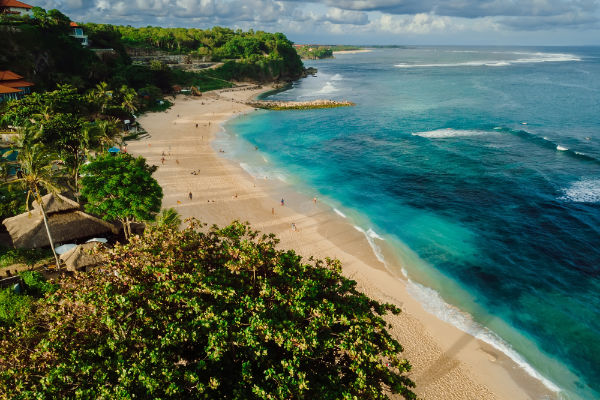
(13, 307)
(216, 315)
(35, 284)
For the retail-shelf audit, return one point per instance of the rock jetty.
(298, 105)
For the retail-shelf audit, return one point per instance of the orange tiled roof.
(14, 3)
(6, 89)
(9, 75)
(16, 84)
(73, 24)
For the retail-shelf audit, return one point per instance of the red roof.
(14, 3)
(16, 84)
(6, 89)
(73, 24)
(9, 75)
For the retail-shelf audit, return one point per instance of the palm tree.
(100, 96)
(37, 173)
(129, 97)
(169, 217)
(108, 131)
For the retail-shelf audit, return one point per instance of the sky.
(400, 22)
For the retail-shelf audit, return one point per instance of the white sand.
(447, 363)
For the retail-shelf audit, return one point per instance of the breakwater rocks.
(298, 105)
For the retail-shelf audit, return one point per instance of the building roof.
(9, 75)
(54, 203)
(16, 84)
(73, 24)
(27, 230)
(14, 3)
(6, 89)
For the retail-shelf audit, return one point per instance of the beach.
(199, 182)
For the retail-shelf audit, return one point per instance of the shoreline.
(352, 51)
(447, 363)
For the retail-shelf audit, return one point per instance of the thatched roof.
(54, 203)
(82, 256)
(28, 231)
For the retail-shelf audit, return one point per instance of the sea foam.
(449, 133)
(529, 58)
(338, 212)
(583, 191)
(371, 235)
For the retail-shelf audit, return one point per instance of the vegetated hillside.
(40, 49)
(48, 55)
(259, 56)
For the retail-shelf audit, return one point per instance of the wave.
(338, 212)
(262, 172)
(328, 88)
(433, 303)
(583, 191)
(532, 58)
(337, 77)
(546, 142)
(371, 235)
(449, 133)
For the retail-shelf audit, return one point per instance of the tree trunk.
(41, 204)
(124, 222)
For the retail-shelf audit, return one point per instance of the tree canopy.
(121, 188)
(189, 314)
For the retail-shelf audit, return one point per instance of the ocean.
(475, 173)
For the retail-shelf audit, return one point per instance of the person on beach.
(293, 227)
(196, 126)
(163, 160)
(190, 195)
(273, 211)
(315, 200)
(282, 202)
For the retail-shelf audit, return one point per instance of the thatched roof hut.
(54, 203)
(82, 256)
(66, 223)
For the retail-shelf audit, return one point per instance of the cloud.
(341, 18)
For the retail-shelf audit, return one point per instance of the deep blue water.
(485, 164)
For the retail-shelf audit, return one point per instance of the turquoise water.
(480, 167)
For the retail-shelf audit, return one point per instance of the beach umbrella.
(114, 150)
(65, 248)
(101, 240)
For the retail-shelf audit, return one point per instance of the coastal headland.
(447, 363)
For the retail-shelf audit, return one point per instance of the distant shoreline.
(352, 51)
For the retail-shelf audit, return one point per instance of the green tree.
(216, 315)
(121, 188)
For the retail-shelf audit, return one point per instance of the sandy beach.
(447, 363)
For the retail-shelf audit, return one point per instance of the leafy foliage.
(36, 285)
(169, 217)
(121, 188)
(222, 314)
(13, 308)
(12, 200)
